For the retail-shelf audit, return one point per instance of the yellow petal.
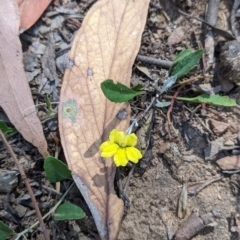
(133, 154)
(131, 140)
(104, 144)
(108, 149)
(120, 158)
(115, 135)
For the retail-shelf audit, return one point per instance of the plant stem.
(46, 215)
(26, 182)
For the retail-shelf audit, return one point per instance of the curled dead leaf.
(104, 48)
(182, 202)
(15, 95)
(30, 11)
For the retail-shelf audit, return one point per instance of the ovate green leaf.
(185, 61)
(217, 100)
(5, 231)
(118, 92)
(68, 211)
(56, 170)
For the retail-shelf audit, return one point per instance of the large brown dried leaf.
(105, 47)
(30, 11)
(15, 95)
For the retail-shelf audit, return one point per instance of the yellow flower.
(121, 147)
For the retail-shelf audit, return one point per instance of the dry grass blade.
(104, 48)
(15, 95)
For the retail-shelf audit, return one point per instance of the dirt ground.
(185, 157)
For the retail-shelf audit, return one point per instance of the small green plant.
(50, 111)
(56, 171)
(68, 211)
(182, 64)
(7, 131)
(5, 231)
(185, 62)
(216, 100)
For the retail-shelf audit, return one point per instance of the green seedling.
(216, 100)
(7, 131)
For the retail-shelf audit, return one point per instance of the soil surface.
(180, 157)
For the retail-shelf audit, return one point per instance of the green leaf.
(68, 211)
(50, 111)
(216, 100)
(118, 92)
(5, 231)
(182, 55)
(56, 170)
(48, 102)
(5, 129)
(138, 87)
(185, 61)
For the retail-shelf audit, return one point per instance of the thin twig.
(216, 30)
(120, 189)
(190, 80)
(154, 61)
(58, 149)
(24, 178)
(146, 110)
(231, 172)
(51, 190)
(202, 123)
(233, 17)
(170, 110)
(45, 216)
(173, 100)
(211, 18)
(205, 184)
(128, 179)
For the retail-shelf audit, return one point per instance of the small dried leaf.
(229, 163)
(182, 202)
(190, 227)
(176, 36)
(145, 71)
(15, 95)
(218, 127)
